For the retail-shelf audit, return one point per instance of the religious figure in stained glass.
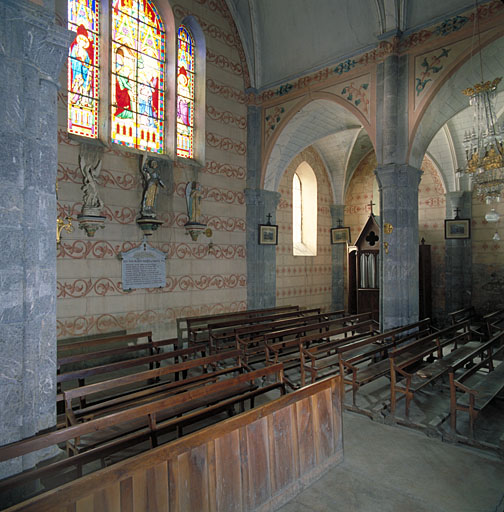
(83, 71)
(185, 93)
(138, 54)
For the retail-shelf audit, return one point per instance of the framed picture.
(340, 235)
(268, 234)
(457, 228)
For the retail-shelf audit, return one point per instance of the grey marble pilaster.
(261, 259)
(458, 256)
(32, 52)
(399, 301)
(253, 147)
(339, 254)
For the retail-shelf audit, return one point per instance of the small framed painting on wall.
(457, 228)
(268, 234)
(340, 235)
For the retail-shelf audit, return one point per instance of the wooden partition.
(255, 461)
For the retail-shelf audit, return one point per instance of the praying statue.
(151, 183)
(193, 199)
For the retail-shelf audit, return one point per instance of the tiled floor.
(390, 468)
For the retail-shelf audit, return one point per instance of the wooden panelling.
(253, 461)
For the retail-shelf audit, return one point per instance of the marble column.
(32, 53)
(399, 301)
(458, 256)
(261, 259)
(339, 254)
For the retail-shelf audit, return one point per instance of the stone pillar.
(32, 53)
(399, 301)
(339, 254)
(254, 147)
(261, 259)
(458, 256)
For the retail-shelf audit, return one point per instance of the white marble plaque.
(143, 267)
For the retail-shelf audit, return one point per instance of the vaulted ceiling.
(284, 39)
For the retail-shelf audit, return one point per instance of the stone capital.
(260, 197)
(397, 176)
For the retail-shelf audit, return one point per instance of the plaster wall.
(201, 278)
(304, 280)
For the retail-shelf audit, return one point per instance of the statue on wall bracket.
(194, 227)
(151, 180)
(90, 163)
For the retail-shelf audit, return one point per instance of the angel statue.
(90, 168)
(193, 199)
(151, 183)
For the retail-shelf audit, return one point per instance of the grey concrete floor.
(390, 468)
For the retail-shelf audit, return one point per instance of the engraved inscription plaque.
(143, 267)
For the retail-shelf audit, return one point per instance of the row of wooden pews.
(123, 394)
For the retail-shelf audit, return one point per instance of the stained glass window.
(138, 55)
(185, 93)
(83, 70)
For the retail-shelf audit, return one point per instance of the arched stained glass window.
(138, 75)
(83, 70)
(185, 93)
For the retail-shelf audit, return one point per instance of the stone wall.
(204, 276)
(304, 280)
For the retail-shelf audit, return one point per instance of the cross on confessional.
(371, 204)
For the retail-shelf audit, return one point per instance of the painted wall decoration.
(83, 67)
(304, 280)
(201, 278)
(138, 75)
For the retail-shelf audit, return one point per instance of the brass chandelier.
(484, 143)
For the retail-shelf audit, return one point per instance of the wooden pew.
(365, 361)
(468, 313)
(112, 433)
(494, 322)
(356, 331)
(284, 345)
(404, 361)
(101, 371)
(197, 326)
(176, 475)
(222, 333)
(143, 387)
(476, 390)
(105, 340)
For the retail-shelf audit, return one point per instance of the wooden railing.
(257, 460)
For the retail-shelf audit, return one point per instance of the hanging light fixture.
(484, 143)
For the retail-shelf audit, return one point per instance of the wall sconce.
(63, 224)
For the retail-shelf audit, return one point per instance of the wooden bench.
(221, 334)
(73, 377)
(468, 313)
(494, 322)
(477, 390)
(197, 326)
(409, 362)
(326, 344)
(143, 387)
(101, 437)
(284, 345)
(252, 340)
(365, 361)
